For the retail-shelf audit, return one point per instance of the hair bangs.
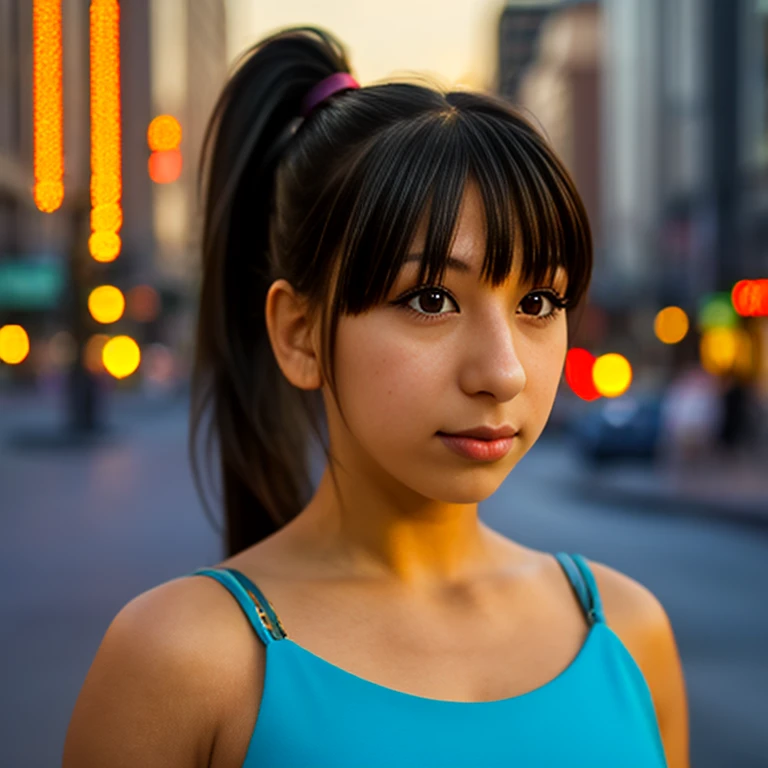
(421, 169)
(416, 169)
(531, 206)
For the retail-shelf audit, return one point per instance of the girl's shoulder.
(163, 679)
(631, 609)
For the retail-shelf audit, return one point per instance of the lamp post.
(84, 400)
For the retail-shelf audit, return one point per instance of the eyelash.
(557, 301)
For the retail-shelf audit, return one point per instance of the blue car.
(619, 428)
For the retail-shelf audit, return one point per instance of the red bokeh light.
(165, 166)
(750, 298)
(578, 373)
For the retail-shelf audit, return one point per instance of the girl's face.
(446, 360)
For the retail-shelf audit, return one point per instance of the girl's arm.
(150, 695)
(637, 616)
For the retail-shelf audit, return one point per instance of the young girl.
(385, 268)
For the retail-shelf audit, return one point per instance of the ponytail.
(261, 422)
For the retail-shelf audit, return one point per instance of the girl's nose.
(491, 363)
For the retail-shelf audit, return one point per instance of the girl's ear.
(292, 336)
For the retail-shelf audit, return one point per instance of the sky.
(452, 40)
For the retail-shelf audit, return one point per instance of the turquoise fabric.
(597, 713)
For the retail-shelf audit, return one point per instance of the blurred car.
(626, 427)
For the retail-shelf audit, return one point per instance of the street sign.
(31, 283)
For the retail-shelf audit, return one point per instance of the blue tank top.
(598, 712)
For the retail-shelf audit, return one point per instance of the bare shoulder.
(161, 679)
(637, 616)
(634, 613)
(628, 604)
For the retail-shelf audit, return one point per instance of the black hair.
(331, 203)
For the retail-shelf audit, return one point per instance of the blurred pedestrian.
(401, 256)
(691, 415)
(737, 434)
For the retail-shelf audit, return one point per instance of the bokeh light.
(143, 303)
(121, 356)
(48, 195)
(106, 159)
(106, 218)
(47, 105)
(164, 133)
(165, 167)
(716, 311)
(612, 374)
(578, 373)
(92, 354)
(671, 325)
(104, 246)
(750, 298)
(14, 344)
(106, 304)
(726, 350)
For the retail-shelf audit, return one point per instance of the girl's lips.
(476, 449)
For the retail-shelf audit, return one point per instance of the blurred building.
(551, 59)
(519, 29)
(658, 108)
(24, 231)
(35, 247)
(164, 46)
(189, 67)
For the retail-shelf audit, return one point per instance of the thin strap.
(584, 584)
(261, 602)
(248, 599)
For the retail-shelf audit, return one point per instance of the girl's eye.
(556, 301)
(428, 302)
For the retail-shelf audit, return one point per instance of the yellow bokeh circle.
(48, 195)
(164, 133)
(106, 218)
(671, 325)
(121, 356)
(106, 304)
(14, 344)
(718, 350)
(104, 246)
(612, 375)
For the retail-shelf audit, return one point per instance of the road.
(82, 531)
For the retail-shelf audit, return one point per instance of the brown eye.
(532, 303)
(429, 301)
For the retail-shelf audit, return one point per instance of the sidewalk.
(732, 489)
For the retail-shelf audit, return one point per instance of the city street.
(83, 530)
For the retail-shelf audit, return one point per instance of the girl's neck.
(368, 536)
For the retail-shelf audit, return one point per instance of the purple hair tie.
(339, 81)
